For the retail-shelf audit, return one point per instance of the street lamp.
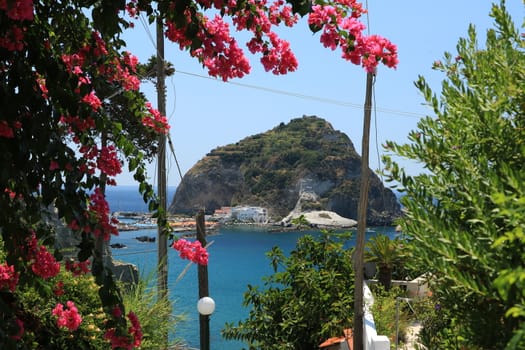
(206, 306)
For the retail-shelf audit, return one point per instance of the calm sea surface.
(237, 258)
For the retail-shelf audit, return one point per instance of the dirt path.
(412, 337)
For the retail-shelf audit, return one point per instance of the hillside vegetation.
(304, 163)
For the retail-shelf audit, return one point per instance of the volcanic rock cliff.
(303, 165)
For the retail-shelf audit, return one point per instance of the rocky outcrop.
(304, 165)
(68, 243)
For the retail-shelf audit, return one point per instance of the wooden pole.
(162, 241)
(204, 320)
(361, 220)
(162, 234)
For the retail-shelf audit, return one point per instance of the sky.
(205, 113)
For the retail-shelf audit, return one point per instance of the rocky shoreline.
(322, 219)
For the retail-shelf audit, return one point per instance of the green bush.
(155, 315)
(465, 213)
(440, 329)
(308, 299)
(40, 325)
(390, 314)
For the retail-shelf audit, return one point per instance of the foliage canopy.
(308, 299)
(466, 212)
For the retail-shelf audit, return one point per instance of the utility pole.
(361, 219)
(162, 236)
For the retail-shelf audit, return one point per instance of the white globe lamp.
(206, 306)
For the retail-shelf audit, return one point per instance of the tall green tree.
(466, 212)
(308, 299)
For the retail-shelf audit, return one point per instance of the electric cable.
(304, 96)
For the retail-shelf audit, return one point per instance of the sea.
(237, 258)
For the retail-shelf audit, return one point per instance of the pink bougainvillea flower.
(13, 40)
(219, 52)
(58, 290)
(108, 161)
(8, 277)
(73, 61)
(104, 159)
(78, 268)
(12, 194)
(155, 120)
(18, 10)
(67, 318)
(116, 312)
(21, 330)
(279, 58)
(106, 225)
(135, 330)
(53, 165)
(5, 130)
(41, 81)
(134, 340)
(118, 341)
(77, 125)
(192, 251)
(92, 100)
(43, 263)
(377, 49)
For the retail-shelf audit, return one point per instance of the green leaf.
(302, 7)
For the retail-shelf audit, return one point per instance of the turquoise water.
(128, 198)
(237, 258)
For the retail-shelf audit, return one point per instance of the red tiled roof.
(348, 337)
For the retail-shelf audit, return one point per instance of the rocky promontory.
(305, 165)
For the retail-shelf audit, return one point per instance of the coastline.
(186, 226)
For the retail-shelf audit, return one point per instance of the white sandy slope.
(323, 218)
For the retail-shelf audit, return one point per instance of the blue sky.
(205, 113)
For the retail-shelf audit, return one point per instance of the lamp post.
(205, 305)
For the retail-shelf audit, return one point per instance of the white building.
(257, 215)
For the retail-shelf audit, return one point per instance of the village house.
(257, 215)
(223, 213)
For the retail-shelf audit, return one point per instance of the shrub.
(465, 212)
(309, 298)
(42, 324)
(390, 314)
(440, 329)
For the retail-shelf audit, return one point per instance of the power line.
(274, 91)
(286, 93)
(146, 27)
(303, 96)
